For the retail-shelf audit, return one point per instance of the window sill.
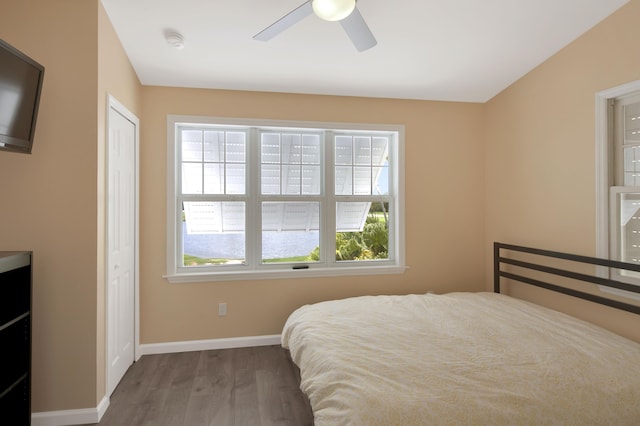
(199, 277)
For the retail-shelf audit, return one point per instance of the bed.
(469, 358)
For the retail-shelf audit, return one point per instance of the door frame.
(113, 103)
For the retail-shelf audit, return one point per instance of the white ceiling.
(456, 50)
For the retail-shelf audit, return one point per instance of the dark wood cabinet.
(15, 337)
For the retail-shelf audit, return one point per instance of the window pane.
(362, 166)
(213, 233)
(236, 147)
(629, 229)
(214, 179)
(379, 150)
(235, 178)
(344, 150)
(287, 163)
(291, 149)
(192, 178)
(362, 180)
(632, 166)
(362, 231)
(311, 149)
(631, 179)
(271, 168)
(362, 150)
(291, 180)
(270, 144)
(290, 231)
(270, 175)
(191, 145)
(311, 180)
(206, 167)
(629, 159)
(381, 180)
(632, 123)
(344, 180)
(351, 216)
(214, 146)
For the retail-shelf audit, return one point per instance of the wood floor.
(247, 386)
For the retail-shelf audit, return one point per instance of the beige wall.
(444, 198)
(540, 151)
(51, 200)
(49, 197)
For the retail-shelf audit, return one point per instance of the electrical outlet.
(222, 309)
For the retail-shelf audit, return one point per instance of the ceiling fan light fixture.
(333, 10)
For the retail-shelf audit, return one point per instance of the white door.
(121, 242)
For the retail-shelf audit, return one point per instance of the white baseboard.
(93, 415)
(207, 345)
(71, 417)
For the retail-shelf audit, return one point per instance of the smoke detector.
(175, 39)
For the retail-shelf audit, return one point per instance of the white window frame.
(257, 271)
(606, 192)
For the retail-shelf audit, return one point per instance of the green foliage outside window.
(371, 243)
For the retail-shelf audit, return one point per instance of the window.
(618, 178)
(257, 199)
(625, 192)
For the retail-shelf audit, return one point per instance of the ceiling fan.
(344, 11)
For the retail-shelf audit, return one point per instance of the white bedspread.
(460, 359)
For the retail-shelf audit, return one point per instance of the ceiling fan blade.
(291, 18)
(358, 31)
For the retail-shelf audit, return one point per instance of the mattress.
(460, 358)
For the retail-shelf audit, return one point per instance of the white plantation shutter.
(351, 216)
(290, 216)
(213, 217)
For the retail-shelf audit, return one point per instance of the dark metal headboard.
(498, 260)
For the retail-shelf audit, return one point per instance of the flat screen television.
(20, 86)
